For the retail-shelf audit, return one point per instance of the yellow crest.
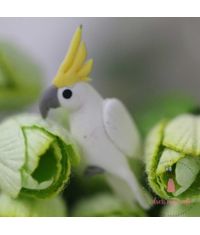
(74, 67)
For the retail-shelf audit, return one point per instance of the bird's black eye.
(67, 94)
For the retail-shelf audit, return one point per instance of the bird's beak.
(49, 100)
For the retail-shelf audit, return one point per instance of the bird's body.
(87, 126)
(96, 148)
(103, 128)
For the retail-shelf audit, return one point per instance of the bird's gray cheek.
(49, 100)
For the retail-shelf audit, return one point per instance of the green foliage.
(20, 78)
(163, 106)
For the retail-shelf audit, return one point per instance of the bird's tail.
(129, 189)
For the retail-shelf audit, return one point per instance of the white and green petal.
(173, 152)
(35, 157)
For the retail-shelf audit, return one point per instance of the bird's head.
(70, 85)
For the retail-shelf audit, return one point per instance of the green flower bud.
(26, 207)
(105, 204)
(181, 209)
(35, 157)
(173, 158)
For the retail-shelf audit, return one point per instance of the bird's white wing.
(120, 127)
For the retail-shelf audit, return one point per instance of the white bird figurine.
(103, 128)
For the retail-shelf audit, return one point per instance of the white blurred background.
(135, 58)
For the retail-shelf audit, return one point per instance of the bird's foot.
(93, 170)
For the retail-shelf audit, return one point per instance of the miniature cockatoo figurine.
(103, 128)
